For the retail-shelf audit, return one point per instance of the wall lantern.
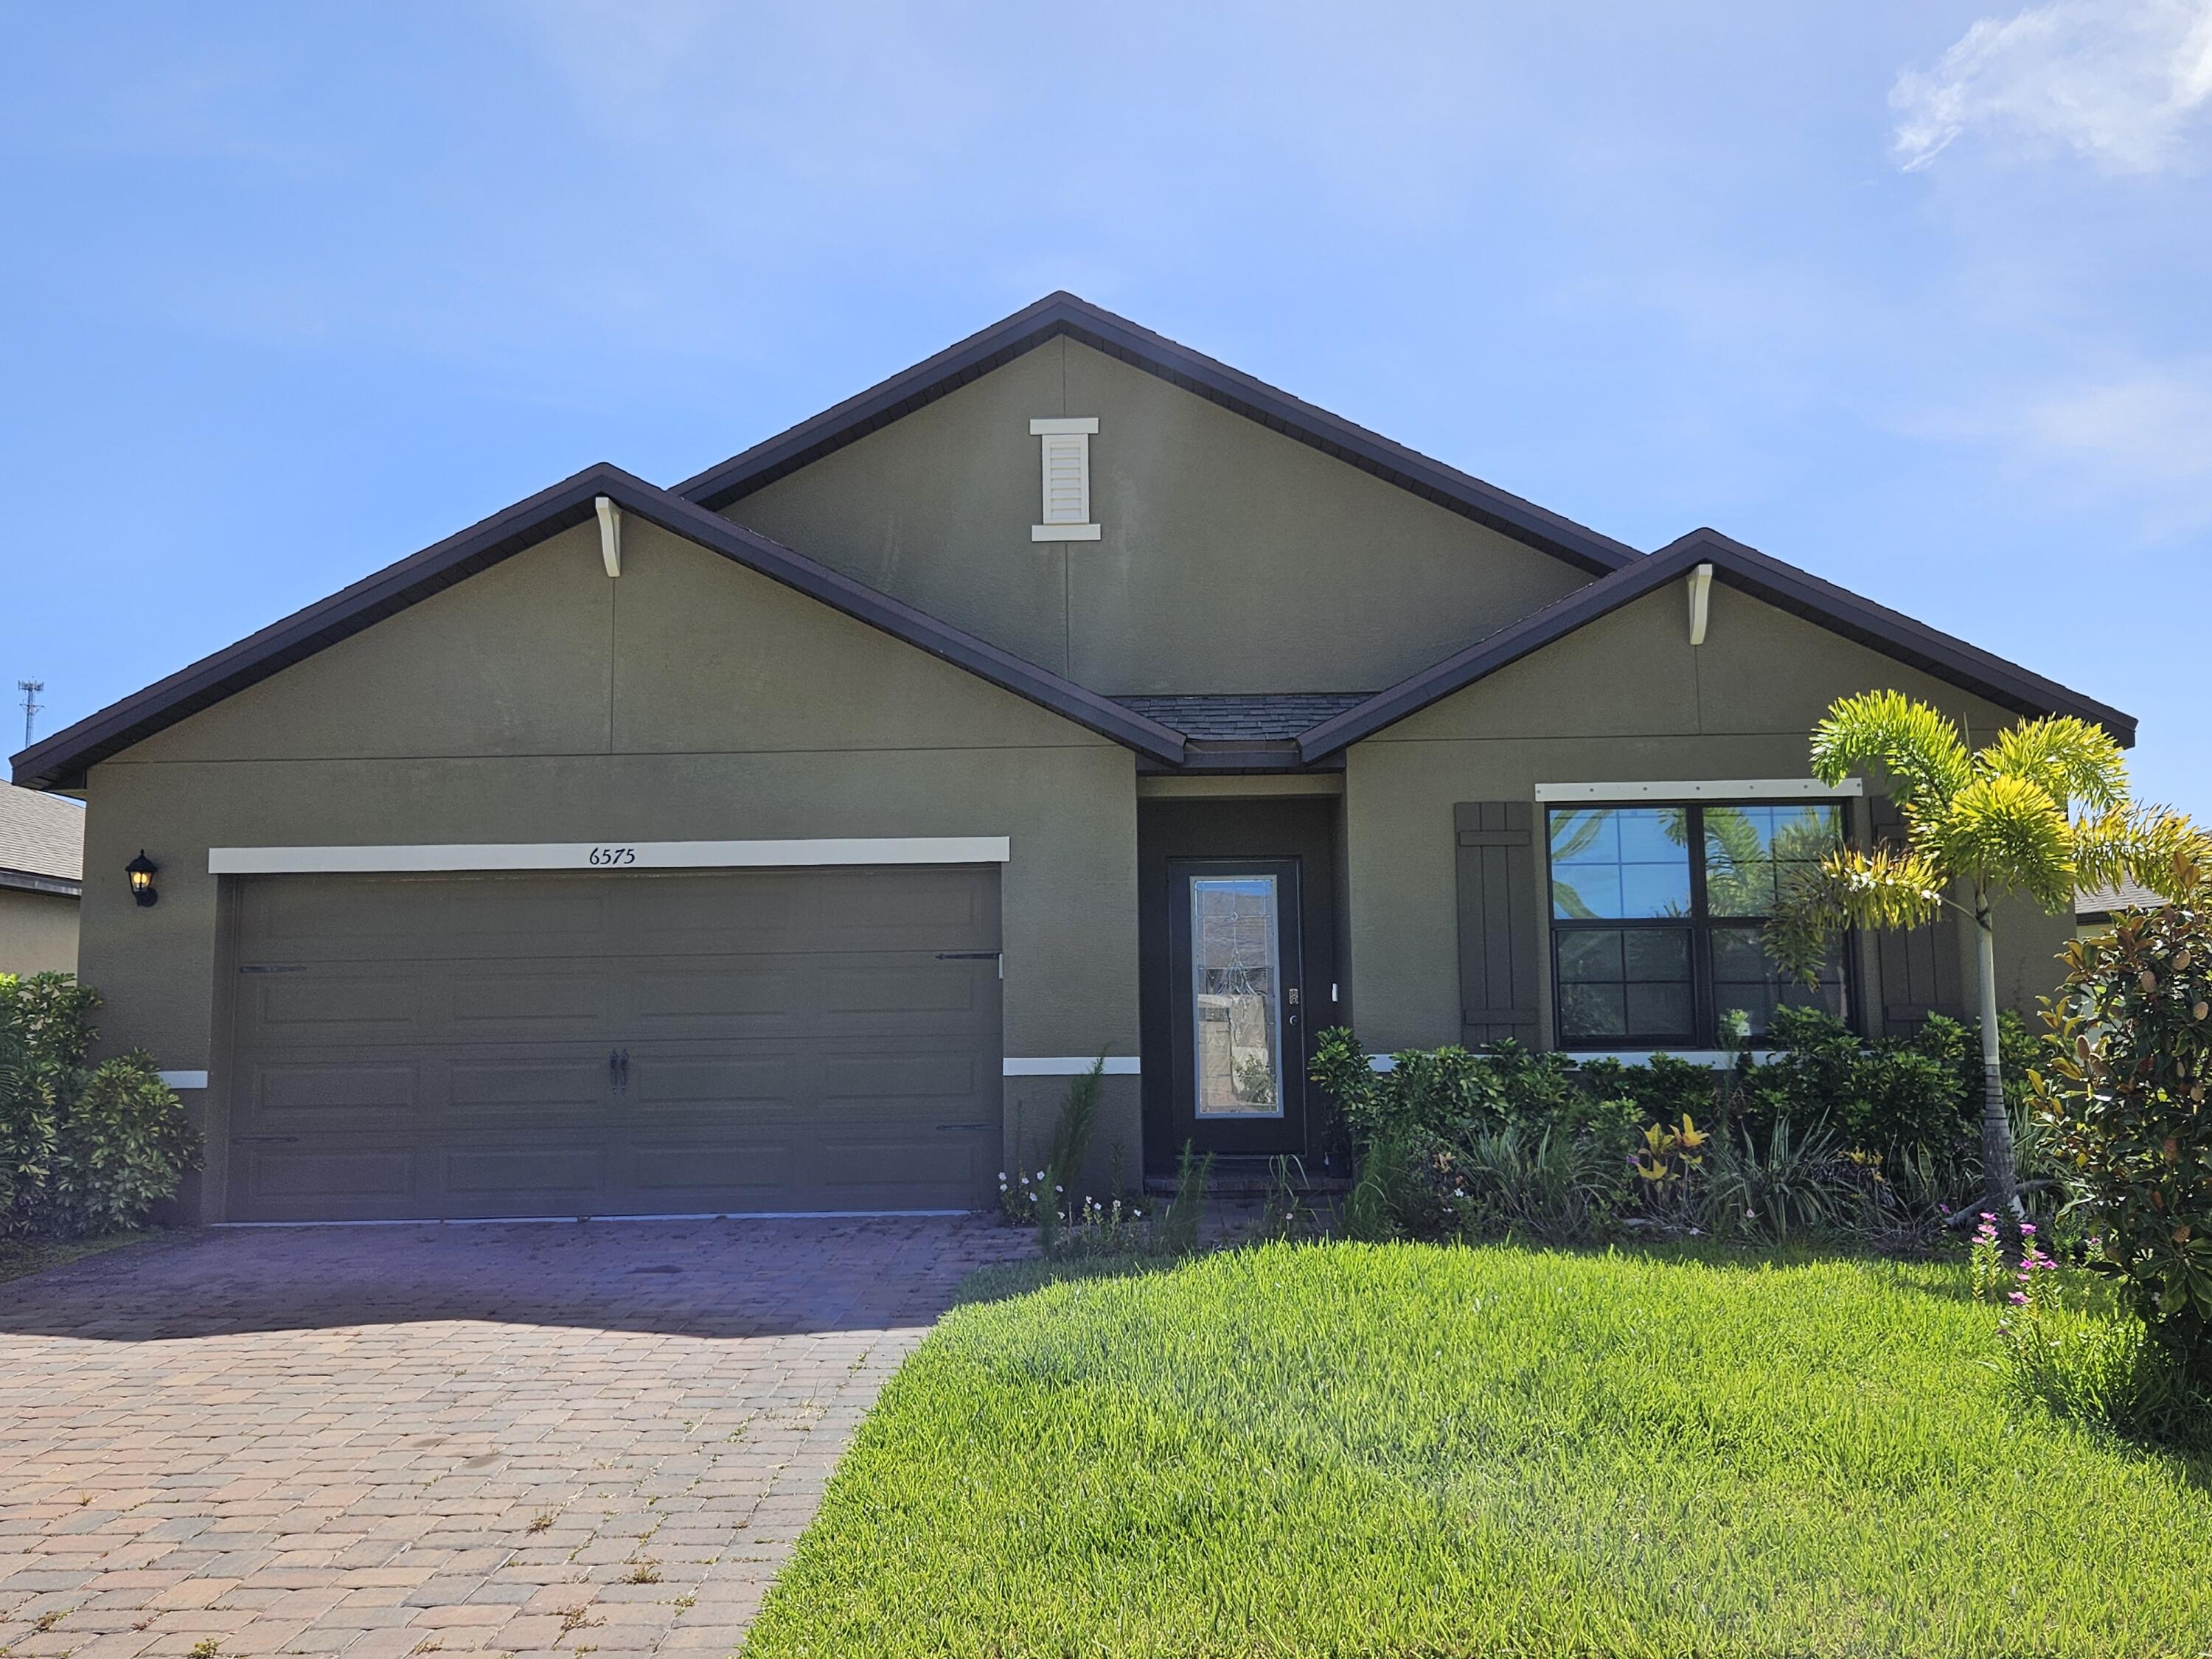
(140, 871)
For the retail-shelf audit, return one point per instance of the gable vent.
(1066, 511)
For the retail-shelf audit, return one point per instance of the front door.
(1239, 1005)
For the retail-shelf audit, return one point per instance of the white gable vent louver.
(1066, 480)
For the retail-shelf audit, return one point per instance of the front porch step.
(1254, 1177)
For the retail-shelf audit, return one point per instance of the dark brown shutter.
(1500, 938)
(1919, 966)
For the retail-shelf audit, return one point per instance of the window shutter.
(1919, 966)
(1067, 477)
(1500, 938)
(1066, 512)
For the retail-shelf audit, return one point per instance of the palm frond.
(1881, 888)
(1916, 745)
(2151, 845)
(2004, 832)
(2076, 763)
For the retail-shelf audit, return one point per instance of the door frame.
(1247, 829)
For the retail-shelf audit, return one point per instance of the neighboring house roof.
(1748, 570)
(61, 760)
(1058, 314)
(41, 842)
(2098, 904)
(1230, 719)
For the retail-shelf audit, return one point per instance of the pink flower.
(2020, 1298)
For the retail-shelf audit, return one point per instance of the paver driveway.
(380, 1440)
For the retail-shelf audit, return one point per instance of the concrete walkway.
(517, 1439)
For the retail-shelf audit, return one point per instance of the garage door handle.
(964, 1125)
(262, 1140)
(618, 1071)
(967, 956)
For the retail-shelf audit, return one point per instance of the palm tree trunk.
(1997, 1171)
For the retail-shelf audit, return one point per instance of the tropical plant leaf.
(1916, 745)
(2002, 831)
(1879, 887)
(2151, 845)
(2073, 762)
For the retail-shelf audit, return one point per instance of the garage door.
(673, 1042)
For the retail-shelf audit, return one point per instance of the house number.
(611, 855)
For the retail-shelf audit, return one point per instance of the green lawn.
(1352, 1450)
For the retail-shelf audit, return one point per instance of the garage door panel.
(872, 1079)
(485, 1001)
(691, 1083)
(783, 1051)
(332, 1095)
(504, 1177)
(328, 1180)
(328, 1006)
(684, 1174)
(343, 918)
(502, 1090)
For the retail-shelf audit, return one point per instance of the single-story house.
(2096, 908)
(41, 866)
(785, 839)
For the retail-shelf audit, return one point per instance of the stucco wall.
(38, 933)
(1231, 558)
(1626, 699)
(690, 699)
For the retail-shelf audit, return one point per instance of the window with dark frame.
(1657, 914)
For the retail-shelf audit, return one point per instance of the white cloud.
(2124, 82)
(2153, 428)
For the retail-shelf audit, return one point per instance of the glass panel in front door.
(1236, 1023)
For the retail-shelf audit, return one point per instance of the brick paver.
(379, 1442)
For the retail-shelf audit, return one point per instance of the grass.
(21, 1257)
(1352, 1450)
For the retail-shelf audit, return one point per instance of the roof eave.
(1798, 592)
(63, 760)
(1059, 314)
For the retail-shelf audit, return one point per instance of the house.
(785, 839)
(41, 872)
(2095, 907)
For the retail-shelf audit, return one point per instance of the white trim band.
(1059, 425)
(1708, 789)
(183, 1080)
(607, 855)
(1069, 1065)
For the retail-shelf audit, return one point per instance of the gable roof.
(41, 842)
(1748, 570)
(1064, 315)
(61, 760)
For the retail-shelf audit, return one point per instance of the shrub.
(2121, 1091)
(1893, 1091)
(82, 1149)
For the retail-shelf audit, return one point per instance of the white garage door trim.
(606, 855)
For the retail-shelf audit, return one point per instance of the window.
(1656, 913)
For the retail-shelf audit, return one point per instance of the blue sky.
(1911, 294)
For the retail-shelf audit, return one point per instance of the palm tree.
(2041, 811)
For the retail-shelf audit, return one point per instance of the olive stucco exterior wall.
(689, 699)
(1220, 540)
(38, 933)
(1626, 699)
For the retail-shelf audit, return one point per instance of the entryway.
(1238, 927)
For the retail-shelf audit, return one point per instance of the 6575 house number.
(603, 857)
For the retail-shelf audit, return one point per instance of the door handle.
(623, 1086)
(618, 1071)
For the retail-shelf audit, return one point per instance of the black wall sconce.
(141, 870)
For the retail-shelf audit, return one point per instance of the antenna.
(30, 689)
